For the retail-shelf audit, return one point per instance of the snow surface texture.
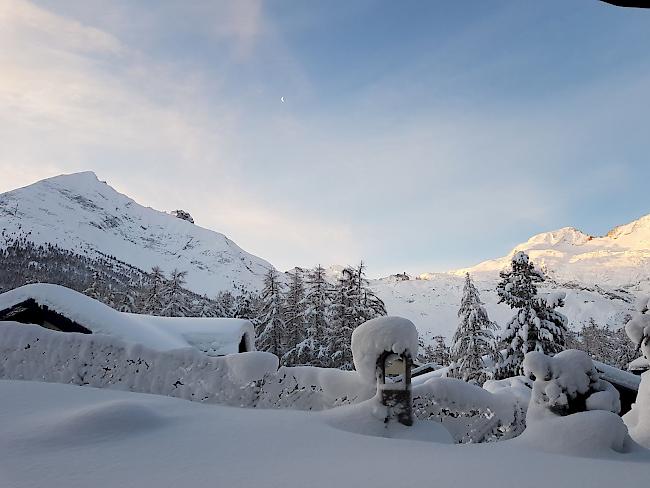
(212, 336)
(84, 215)
(368, 418)
(383, 334)
(66, 436)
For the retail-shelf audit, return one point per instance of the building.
(62, 309)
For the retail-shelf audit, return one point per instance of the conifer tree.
(97, 288)
(225, 304)
(153, 304)
(440, 351)
(175, 303)
(269, 322)
(353, 303)
(536, 326)
(473, 338)
(294, 315)
(313, 348)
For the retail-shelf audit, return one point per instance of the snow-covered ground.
(67, 436)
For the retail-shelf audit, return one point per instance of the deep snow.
(66, 436)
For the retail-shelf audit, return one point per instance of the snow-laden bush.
(567, 383)
(572, 410)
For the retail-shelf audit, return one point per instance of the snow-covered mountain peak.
(566, 236)
(80, 213)
(636, 234)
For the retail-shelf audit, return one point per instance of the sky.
(417, 136)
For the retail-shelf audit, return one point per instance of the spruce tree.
(473, 338)
(269, 322)
(536, 326)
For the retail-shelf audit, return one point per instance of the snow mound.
(470, 413)
(518, 388)
(105, 422)
(638, 419)
(372, 338)
(585, 434)
(367, 418)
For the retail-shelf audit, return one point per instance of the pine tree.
(536, 326)
(473, 338)
(312, 350)
(173, 295)
(269, 322)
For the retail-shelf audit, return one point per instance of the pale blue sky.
(418, 135)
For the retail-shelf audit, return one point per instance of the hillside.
(81, 214)
(602, 276)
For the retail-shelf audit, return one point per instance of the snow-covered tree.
(97, 288)
(225, 304)
(439, 352)
(153, 295)
(269, 322)
(353, 303)
(294, 315)
(536, 326)
(473, 338)
(175, 303)
(312, 350)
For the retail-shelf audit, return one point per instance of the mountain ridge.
(80, 213)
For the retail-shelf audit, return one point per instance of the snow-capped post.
(382, 350)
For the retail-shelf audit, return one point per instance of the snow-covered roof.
(214, 336)
(618, 376)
